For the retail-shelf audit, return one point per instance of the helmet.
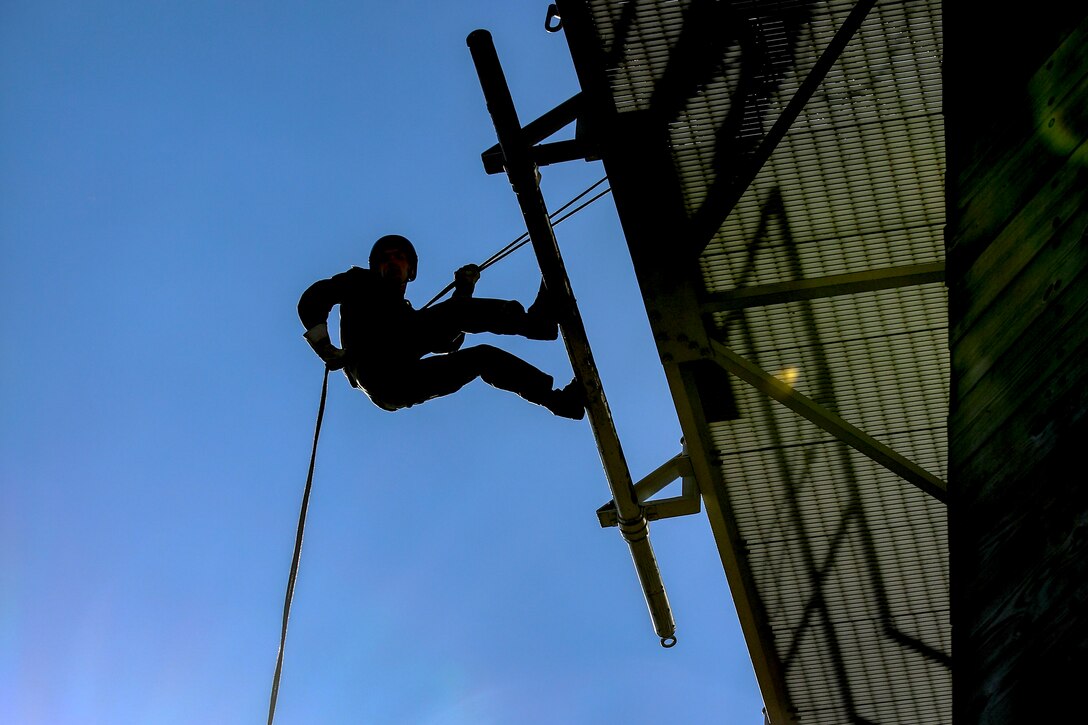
(395, 241)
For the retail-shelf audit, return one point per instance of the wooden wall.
(1016, 105)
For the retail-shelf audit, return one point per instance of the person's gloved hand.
(318, 337)
(465, 279)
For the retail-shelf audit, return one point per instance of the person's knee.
(484, 354)
(494, 364)
(469, 360)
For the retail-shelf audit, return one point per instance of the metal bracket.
(536, 131)
(688, 502)
(742, 298)
(812, 411)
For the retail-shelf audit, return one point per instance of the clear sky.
(172, 176)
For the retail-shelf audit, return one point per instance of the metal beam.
(812, 411)
(796, 104)
(650, 214)
(686, 503)
(831, 286)
(707, 467)
(536, 131)
(522, 172)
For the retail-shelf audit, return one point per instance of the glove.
(318, 337)
(464, 280)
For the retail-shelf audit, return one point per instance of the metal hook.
(553, 14)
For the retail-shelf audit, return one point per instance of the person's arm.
(464, 283)
(314, 307)
(465, 279)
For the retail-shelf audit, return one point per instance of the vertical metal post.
(522, 173)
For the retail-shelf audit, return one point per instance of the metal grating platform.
(815, 233)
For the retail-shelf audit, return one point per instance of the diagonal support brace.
(812, 411)
(522, 172)
(543, 154)
(686, 503)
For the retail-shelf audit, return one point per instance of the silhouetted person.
(387, 343)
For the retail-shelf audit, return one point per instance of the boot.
(541, 321)
(501, 317)
(569, 401)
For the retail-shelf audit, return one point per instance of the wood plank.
(1062, 71)
(1020, 564)
(1051, 362)
(1010, 181)
(1029, 233)
(1039, 292)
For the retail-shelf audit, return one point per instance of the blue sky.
(172, 176)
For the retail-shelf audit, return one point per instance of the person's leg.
(422, 380)
(546, 307)
(441, 375)
(501, 317)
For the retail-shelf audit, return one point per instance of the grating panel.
(847, 561)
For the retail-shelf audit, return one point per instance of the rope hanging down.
(298, 551)
(522, 240)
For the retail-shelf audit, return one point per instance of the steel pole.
(522, 172)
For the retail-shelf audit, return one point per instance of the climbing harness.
(522, 240)
(298, 550)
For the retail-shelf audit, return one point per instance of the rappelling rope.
(522, 240)
(298, 550)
